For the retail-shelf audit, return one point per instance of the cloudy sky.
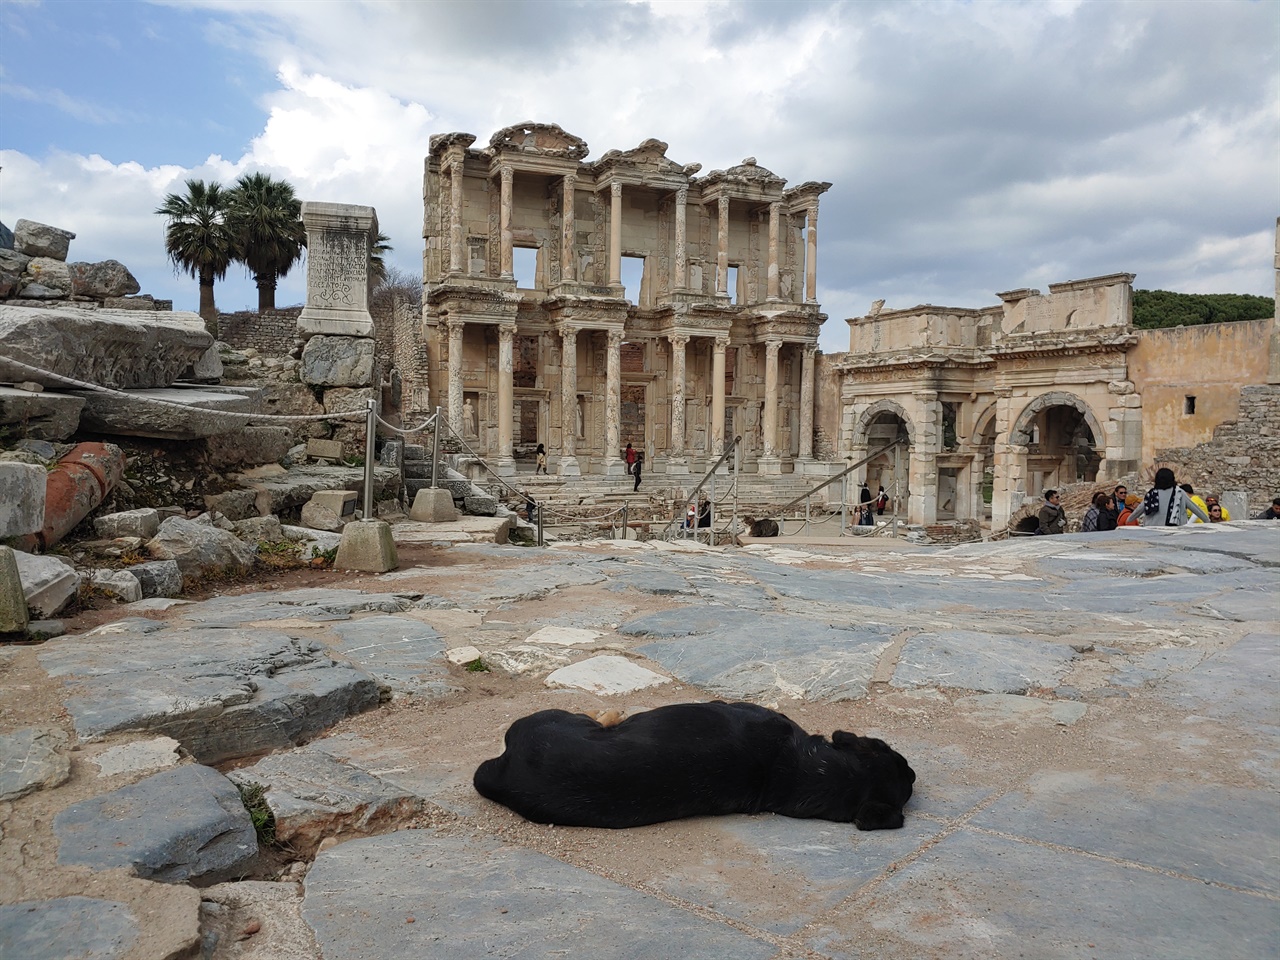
(973, 147)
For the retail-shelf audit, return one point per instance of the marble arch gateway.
(534, 337)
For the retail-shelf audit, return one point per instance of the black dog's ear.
(874, 815)
(842, 739)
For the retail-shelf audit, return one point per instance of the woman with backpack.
(1166, 505)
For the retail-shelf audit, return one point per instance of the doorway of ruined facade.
(1063, 450)
(632, 418)
(527, 423)
(889, 469)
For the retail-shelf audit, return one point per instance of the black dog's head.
(886, 776)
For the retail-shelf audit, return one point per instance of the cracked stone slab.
(606, 676)
(564, 636)
(151, 754)
(32, 759)
(67, 927)
(314, 795)
(222, 694)
(766, 656)
(182, 825)
(1237, 683)
(1214, 833)
(995, 896)
(1005, 707)
(990, 663)
(312, 603)
(476, 898)
(405, 652)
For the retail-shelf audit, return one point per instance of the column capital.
(506, 331)
(615, 338)
(615, 189)
(678, 339)
(812, 211)
(570, 179)
(775, 209)
(722, 206)
(721, 344)
(772, 345)
(507, 173)
(568, 331)
(682, 194)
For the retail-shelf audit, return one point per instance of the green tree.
(199, 240)
(377, 265)
(266, 218)
(1153, 309)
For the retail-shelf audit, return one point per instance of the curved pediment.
(649, 157)
(540, 140)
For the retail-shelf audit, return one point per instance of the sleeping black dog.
(692, 760)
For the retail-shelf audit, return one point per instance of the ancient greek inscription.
(338, 265)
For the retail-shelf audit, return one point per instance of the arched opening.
(984, 442)
(889, 469)
(1062, 441)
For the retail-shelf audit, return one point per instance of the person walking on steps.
(542, 460)
(637, 469)
(629, 455)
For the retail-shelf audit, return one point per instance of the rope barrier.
(155, 401)
(407, 431)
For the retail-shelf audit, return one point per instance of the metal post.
(844, 504)
(435, 447)
(370, 427)
(540, 543)
(711, 511)
(624, 521)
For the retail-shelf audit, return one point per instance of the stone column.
(717, 396)
(568, 466)
(505, 464)
(613, 401)
(808, 356)
(615, 238)
(680, 271)
(508, 265)
(722, 249)
(775, 215)
(568, 266)
(455, 375)
(455, 216)
(769, 461)
(676, 462)
(811, 258)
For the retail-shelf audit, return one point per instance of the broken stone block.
(182, 825)
(462, 655)
(367, 545)
(22, 493)
(324, 449)
(249, 446)
(320, 516)
(122, 349)
(259, 529)
(480, 506)
(119, 584)
(433, 505)
(12, 266)
(13, 605)
(158, 578)
(338, 361)
(182, 414)
(42, 416)
(606, 676)
(48, 583)
(234, 504)
(315, 796)
(48, 274)
(41, 240)
(32, 759)
(128, 523)
(200, 548)
(97, 281)
(140, 755)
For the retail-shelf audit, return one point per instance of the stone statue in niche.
(469, 426)
(577, 410)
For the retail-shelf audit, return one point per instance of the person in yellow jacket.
(1194, 498)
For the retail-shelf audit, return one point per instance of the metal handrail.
(841, 475)
(709, 475)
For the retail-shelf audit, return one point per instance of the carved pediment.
(539, 139)
(748, 171)
(650, 157)
(442, 141)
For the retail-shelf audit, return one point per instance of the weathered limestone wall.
(1210, 362)
(272, 332)
(1242, 459)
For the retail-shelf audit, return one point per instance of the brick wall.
(272, 333)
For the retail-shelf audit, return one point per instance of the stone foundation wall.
(1243, 455)
(272, 333)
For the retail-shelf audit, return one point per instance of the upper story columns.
(615, 233)
(568, 268)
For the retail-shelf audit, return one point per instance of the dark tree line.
(1153, 309)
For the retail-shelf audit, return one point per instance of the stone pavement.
(1093, 721)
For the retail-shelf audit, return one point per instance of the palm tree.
(199, 240)
(377, 266)
(266, 217)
